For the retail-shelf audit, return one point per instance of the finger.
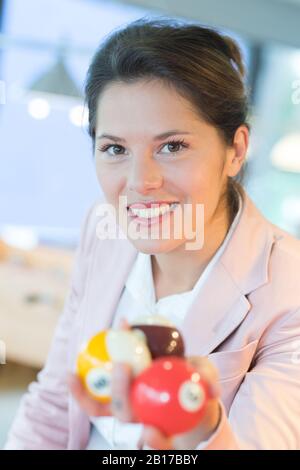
(120, 391)
(154, 438)
(87, 403)
(123, 324)
(209, 373)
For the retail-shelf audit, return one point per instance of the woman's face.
(146, 168)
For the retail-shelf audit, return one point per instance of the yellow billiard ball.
(95, 360)
(94, 367)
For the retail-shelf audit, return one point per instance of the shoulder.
(90, 238)
(280, 295)
(285, 257)
(267, 241)
(88, 227)
(102, 240)
(86, 246)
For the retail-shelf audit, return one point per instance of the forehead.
(151, 102)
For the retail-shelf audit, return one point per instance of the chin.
(153, 247)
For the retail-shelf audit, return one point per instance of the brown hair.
(202, 64)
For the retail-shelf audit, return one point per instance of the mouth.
(152, 211)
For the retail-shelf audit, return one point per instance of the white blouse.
(138, 299)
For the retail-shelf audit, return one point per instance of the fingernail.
(117, 404)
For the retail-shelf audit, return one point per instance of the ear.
(236, 153)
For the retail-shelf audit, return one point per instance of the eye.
(107, 147)
(191, 396)
(176, 144)
(171, 144)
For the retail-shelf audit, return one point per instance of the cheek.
(200, 184)
(196, 182)
(206, 177)
(111, 182)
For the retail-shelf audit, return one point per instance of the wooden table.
(33, 287)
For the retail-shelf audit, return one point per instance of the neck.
(178, 271)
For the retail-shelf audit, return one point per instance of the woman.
(168, 121)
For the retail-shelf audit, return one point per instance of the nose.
(145, 175)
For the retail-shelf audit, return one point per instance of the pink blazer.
(246, 319)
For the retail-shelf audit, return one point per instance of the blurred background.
(46, 154)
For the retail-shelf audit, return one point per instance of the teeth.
(153, 211)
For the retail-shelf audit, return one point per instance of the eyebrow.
(164, 135)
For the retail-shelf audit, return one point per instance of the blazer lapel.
(217, 310)
(222, 303)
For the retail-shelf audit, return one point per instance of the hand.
(86, 402)
(91, 406)
(120, 406)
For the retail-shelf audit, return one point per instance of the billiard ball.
(95, 360)
(128, 346)
(170, 395)
(162, 340)
(94, 367)
(162, 337)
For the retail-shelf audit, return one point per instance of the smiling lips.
(151, 210)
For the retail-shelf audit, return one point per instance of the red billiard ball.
(170, 395)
